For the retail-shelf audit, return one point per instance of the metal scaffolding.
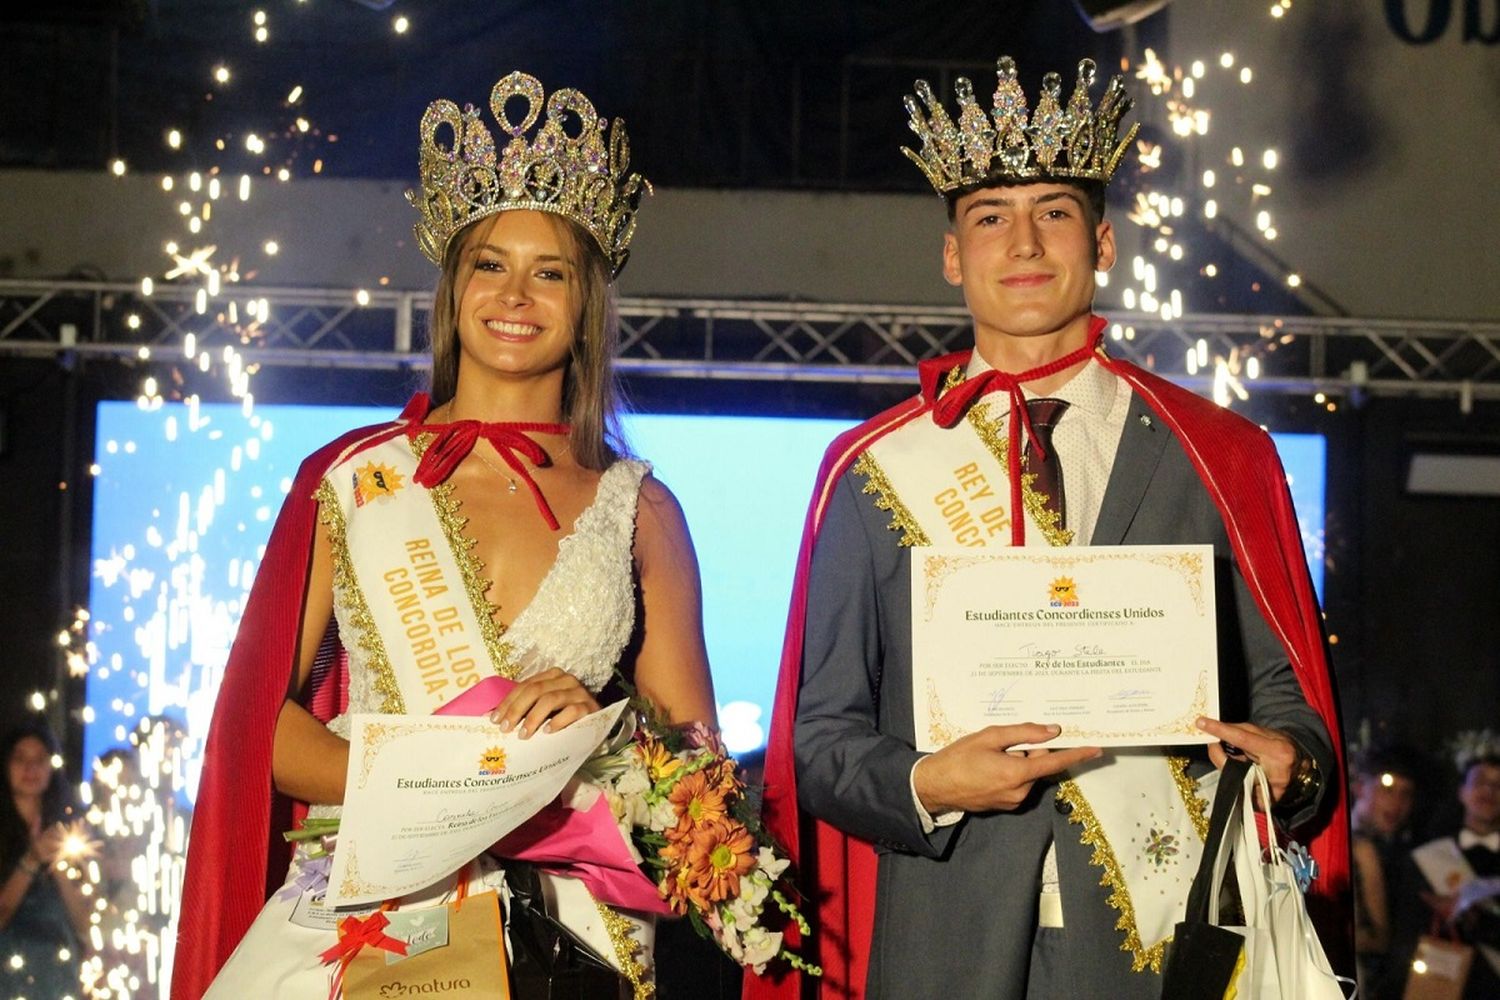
(745, 339)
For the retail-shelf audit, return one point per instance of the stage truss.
(745, 339)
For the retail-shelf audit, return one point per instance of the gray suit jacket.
(956, 909)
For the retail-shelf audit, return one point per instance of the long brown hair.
(590, 395)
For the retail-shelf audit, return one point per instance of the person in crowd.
(1384, 784)
(980, 870)
(510, 482)
(1459, 880)
(44, 917)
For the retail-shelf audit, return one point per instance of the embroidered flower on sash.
(1161, 848)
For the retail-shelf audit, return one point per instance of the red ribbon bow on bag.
(354, 935)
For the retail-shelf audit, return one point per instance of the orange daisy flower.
(697, 800)
(725, 776)
(677, 889)
(720, 852)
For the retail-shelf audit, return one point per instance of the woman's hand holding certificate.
(428, 793)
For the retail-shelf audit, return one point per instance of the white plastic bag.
(1284, 960)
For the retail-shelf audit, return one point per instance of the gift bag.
(470, 965)
(1439, 969)
(1279, 956)
(1204, 960)
(1283, 953)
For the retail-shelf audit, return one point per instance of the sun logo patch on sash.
(1063, 593)
(373, 481)
(492, 761)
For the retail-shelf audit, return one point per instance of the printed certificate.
(1116, 644)
(426, 794)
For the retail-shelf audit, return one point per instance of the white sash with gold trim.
(1141, 814)
(406, 581)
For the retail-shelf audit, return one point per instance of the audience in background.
(43, 915)
(1450, 885)
(1385, 785)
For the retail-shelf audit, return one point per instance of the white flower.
(728, 934)
(635, 854)
(634, 780)
(620, 809)
(760, 947)
(637, 811)
(747, 906)
(744, 911)
(580, 795)
(663, 816)
(770, 864)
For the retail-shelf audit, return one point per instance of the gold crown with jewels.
(1073, 142)
(580, 176)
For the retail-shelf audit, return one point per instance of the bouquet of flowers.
(691, 823)
(687, 825)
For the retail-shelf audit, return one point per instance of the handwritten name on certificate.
(1116, 644)
(426, 794)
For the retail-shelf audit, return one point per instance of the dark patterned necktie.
(1045, 413)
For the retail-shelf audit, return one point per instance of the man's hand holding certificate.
(1115, 645)
(428, 793)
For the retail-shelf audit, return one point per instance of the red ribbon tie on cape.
(950, 408)
(454, 442)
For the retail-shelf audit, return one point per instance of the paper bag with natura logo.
(471, 965)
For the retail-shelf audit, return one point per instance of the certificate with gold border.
(425, 794)
(1116, 644)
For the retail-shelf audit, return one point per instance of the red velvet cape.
(236, 856)
(1237, 462)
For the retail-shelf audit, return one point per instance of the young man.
(1462, 873)
(1003, 873)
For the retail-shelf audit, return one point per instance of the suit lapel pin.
(1145, 420)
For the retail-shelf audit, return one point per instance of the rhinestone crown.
(1076, 142)
(582, 176)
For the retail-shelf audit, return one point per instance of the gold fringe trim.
(470, 567)
(878, 485)
(1141, 957)
(349, 596)
(1188, 789)
(625, 946)
(1104, 857)
(1033, 500)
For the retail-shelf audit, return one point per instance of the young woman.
(556, 559)
(43, 916)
